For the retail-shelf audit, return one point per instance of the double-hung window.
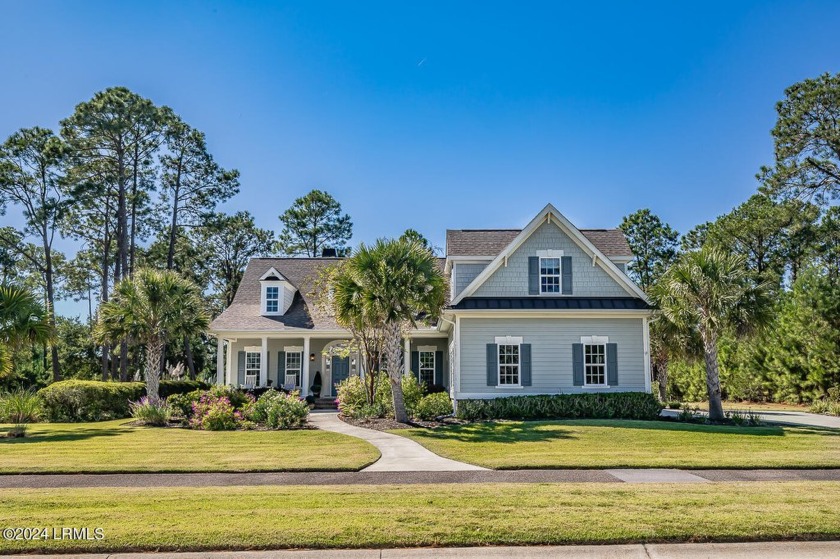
(594, 364)
(272, 299)
(252, 368)
(426, 374)
(293, 366)
(549, 275)
(508, 364)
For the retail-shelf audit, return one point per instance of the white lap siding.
(551, 342)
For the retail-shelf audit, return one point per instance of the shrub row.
(93, 400)
(602, 405)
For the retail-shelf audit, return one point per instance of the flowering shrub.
(148, 412)
(215, 413)
(278, 410)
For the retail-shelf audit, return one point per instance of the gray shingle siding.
(464, 274)
(551, 342)
(588, 280)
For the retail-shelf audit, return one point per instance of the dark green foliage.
(433, 406)
(612, 405)
(654, 245)
(314, 222)
(93, 400)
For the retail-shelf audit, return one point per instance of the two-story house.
(546, 309)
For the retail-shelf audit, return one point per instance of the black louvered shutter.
(525, 364)
(241, 368)
(577, 364)
(533, 275)
(566, 275)
(439, 368)
(612, 364)
(492, 365)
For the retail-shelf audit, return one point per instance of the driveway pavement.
(399, 454)
(769, 550)
(785, 418)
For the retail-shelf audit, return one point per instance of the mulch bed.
(386, 424)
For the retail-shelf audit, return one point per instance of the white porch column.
(264, 362)
(220, 360)
(230, 373)
(407, 356)
(304, 372)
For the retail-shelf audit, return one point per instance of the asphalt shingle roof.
(245, 312)
(490, 242)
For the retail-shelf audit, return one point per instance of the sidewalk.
(769, 550)
(399, 454)
(651, 475)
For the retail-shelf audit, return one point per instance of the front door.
(340, 370)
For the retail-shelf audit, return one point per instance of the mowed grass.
(422, 515)
(632, 444)
(115, 446)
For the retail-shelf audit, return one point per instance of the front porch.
(299, 362)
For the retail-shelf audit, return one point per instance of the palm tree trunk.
(154, 349)
(710, 354)
(393, 352)
(188, 352)
(661, 371)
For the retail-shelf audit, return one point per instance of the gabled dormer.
(276, 293)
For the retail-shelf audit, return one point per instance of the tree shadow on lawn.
(82, 433)
(531, 431)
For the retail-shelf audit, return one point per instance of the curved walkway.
(398, 453)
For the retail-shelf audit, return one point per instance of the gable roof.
(245, 312)
(490, 242)
(550, 214)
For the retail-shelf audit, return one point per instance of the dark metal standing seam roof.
(551, 303)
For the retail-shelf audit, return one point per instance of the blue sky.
(441, 114)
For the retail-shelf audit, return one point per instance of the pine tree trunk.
(394, 354)
(710, 355)
(154, 350)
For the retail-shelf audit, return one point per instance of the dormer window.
(277, 293)
(272, 299)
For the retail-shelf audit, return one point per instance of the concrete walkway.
(783, 417)
(225, 479)
(768, 550)
(399, 454)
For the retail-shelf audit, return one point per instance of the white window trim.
(264, 299)
(550, 253)
(291, 350)
(278, 300)
(559, 274)
(511, 341)
(426, 349)
(258, 351)
(595, 340)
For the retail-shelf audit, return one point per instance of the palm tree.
(150, 309)
(388, 287)
(23, 321)
(705, 293)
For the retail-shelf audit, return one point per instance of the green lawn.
(637, 444)
(114, 446)
(422, 515)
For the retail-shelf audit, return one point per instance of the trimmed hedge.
(96, 400)
(598, 405)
